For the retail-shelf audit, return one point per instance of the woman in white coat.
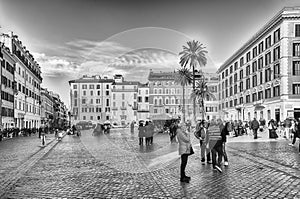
(185, 149)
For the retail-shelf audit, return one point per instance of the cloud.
(105, 58)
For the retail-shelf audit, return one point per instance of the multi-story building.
(47, 107)
(27, 80)
(261, 79)
(143, 112)
(124, 100)
(166, 96)
(90, 99)
(7, 87)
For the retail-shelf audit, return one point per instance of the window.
(296, 68)
(241, 74)
(98, 86)
(276, 53)
(107, 86)
(296, 89)
(226, 82)
(74, 86)
(254, 66)
(83, 101)
(241, 86)
(91, 93)
(84, 86)
(254, 52)
(231, 69)
(235, 102)
(268, 74)
(123, 96)
(260, 47)
(140, 99)
(296, 50)
(254, 97)
(146, 99)
(248, 70)
(84, 92)
(230, 103)
(230, 80)
(268, 58)
(107, 102)
(107, 92)
(230, 91)
(98, 101)
(276, 36)
(235, 77)
(235, 65)
(260, 63)
(75, 94)
(254, 80)
(223, 75)
(226, 72)
(226, 92)
(268, 42)
(241, 100)
(297, 30)
(277, 70)
(247, 83)
(84, 118)
(268, 93)
(260, 95)
(276, 91)
(241, 61)
(98, 93)
(235, 89)
(91, 86)
(247, 98)
(248, 56)
(261, 78)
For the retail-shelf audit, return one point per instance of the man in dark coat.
(254, 126)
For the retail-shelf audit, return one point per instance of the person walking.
(296, 132)
(254, 125)
(287, 127)
(43, 137)
(185, 149)
(202, 134)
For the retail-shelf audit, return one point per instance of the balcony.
(123, 108)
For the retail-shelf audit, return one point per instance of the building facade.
(28, 79)
(143, 112)
(261, 79)
(47, 107)
(90, 99)
(124, 100)
(166, 96)
(7, 88)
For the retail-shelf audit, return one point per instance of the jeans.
(255, 133)
(184, 159)
(217, 150)
(141, 141)
(224, 153)
(204, 151)
(294, 138)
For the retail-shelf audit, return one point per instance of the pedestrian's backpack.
(200, 134)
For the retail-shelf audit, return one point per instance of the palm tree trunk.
(183, 103)
(203, 113)
(194, 100)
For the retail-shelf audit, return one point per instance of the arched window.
(167, 101)
(155, 101)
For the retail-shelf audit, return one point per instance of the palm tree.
(194, 55)
(184, 78)
(200, 93)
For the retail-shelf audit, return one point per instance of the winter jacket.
(184, 141)
(254, 124)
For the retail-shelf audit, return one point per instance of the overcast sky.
(76, 37)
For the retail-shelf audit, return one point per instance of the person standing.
(272, 129)
(254, 126)
(151, 129)
(141, 133)
(132, 127)
(185, 149)
(287, 127)
(202, 134)
(43, 136)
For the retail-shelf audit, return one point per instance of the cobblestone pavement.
(115, 166)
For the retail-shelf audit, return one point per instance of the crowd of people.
(146, 130)
(213, 137)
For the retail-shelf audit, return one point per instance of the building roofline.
(270, 24)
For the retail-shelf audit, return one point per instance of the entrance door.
(297, 113)
(277, 115)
